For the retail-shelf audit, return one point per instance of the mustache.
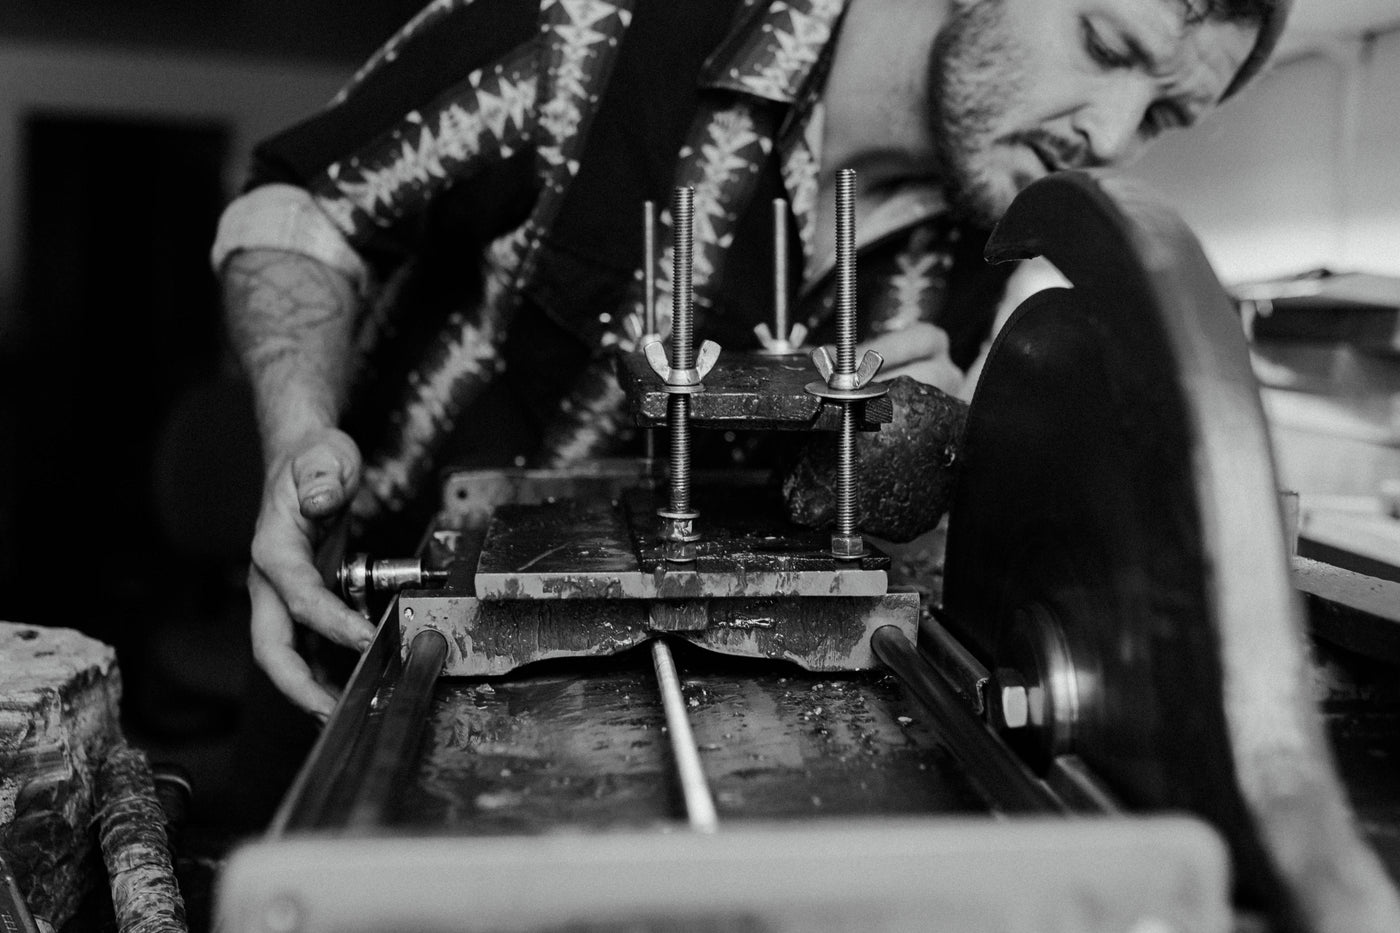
(1061, 153)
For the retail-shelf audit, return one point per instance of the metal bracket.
(774, 345)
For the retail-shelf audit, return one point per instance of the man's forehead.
(1179, 35)
(1171, 17)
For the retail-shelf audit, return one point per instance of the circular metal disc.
(1116, 537)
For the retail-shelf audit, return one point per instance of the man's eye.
(1162, 117)
(1100, 51)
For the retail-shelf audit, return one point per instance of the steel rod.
(650, 326)
(682, 345)
(699, 804)
(1006, 781)
(780, 270)
(649, 323)
(400, 731)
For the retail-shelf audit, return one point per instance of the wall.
(333, 31)
(1301, 170)
(250, 98)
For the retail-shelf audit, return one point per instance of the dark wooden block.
(59, 696)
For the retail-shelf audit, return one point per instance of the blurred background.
(129, 463)
(128, 459)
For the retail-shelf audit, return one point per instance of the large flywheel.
(1115, 542)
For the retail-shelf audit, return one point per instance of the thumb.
(325, 475)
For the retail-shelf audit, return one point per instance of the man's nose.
(1110, 123)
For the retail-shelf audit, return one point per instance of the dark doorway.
(118, 323)
(129, 461)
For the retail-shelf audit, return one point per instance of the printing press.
(635, 697)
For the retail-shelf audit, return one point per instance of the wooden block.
(59, 698)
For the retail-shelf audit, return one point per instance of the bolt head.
(847, 547)
(353, 575)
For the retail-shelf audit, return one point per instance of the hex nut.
(847, 547)
(678, 552)
(1010, 706)
(678, 529)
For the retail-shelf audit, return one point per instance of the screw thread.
(846, 473)
(845, 271)
(678, 416)
(682, 343)
(682, 320)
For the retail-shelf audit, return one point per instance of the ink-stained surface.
(587, 747)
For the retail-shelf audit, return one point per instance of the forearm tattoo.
(289, 319)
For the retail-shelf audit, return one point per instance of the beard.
(972, 82)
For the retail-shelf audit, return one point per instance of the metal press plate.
(746, 391)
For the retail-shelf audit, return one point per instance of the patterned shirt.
(486, 170)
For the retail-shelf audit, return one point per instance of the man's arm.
(290, 319)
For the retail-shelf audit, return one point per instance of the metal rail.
(400, 731)
(1005, 780)
(309, 800)
(699, 804)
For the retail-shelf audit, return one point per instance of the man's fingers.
(282, 553)
(916, 342)
(286, 588)
(276, 654)
(310, 603)
(939, 373)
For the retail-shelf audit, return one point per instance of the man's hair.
(1269, 14)
(1231, 10)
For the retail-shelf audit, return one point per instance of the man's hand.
(290, 319)
(306, 486)
(920, 352)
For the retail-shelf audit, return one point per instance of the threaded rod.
(682, 344)
(682, 320)
(845, 272)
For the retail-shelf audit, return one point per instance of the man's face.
(1021, 88)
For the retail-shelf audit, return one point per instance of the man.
(460, 230)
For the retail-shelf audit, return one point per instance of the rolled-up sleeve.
(285, 217)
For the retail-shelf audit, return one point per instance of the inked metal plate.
(597, 549)
(491, 637)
